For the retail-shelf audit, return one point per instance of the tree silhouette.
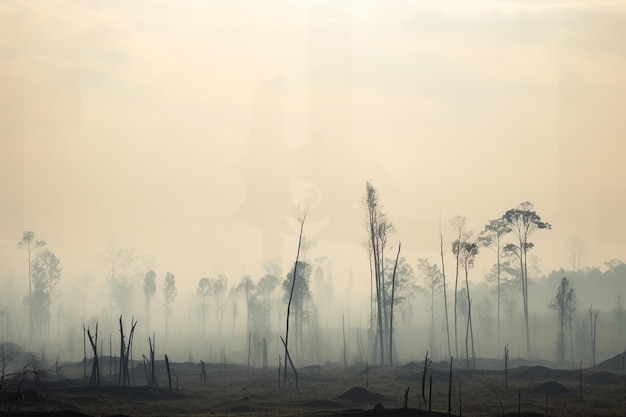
(169, 294)
(300, 215)
(491, 237)
(149, 289)
(203, 290)
(300, 293)
(46, 275)
(468, 252)
(378, 229)
(432, 279)
(563, 303)
(459, 226)
(29, 243)
(523, 222)
(120, 263)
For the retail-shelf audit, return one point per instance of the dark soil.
(360, 395)
(549, 388)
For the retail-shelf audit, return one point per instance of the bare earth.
(234, 390)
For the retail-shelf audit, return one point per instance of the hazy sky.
(189, 130)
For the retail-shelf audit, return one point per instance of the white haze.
(189, 131)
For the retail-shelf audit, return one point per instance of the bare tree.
(393, 293)
(300, 215)
(445, 296)
(576, 251)
(459, 226)
(378, 228)
(29, 243)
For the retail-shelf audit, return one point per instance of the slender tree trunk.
(571, 337)
(30, 300)
(525, 280)
(524, 296)
(293, 284)
(456, 291)
(148, 313)
(383, 293)
(498, 260)
(379, 315)
(432, 321)
(393, 292)
(445, 297)
(371, 302)
(469, 316)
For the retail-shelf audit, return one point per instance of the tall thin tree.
(459, 226)
(445, 296)
(393, 293)
(378, 229)
(491, 237)
(169, 294)
(149, 289)
(300, 215)
(29, 243)
(523, 221)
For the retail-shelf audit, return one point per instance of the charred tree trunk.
(393, 293)
(302, 218)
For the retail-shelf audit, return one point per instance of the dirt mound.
(605, 378)
(616, 363)
(359, 395)
(322, 404)
(389, 412)
(549, 388)
(539, 372)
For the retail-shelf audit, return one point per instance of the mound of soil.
(359, 395)
(322, 404)
(539, 372)
(605, 378)
(390, 412)
(616, 363)
(549, 388)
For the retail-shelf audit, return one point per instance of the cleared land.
(324, 391)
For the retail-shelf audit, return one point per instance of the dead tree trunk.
(427, 364)
(295, 373)
(393, 293)
(169, 374)
(152, 381)
(301, 217)
(95, 367)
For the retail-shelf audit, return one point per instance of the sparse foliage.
(29, 243)
(169, 295)
(523, 222)
(378, 228)
(564, 303)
